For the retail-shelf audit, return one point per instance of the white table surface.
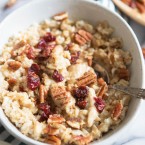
(136, 133)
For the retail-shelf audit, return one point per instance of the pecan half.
(12, 82)
(17, 46)
(14, 65)
(55, 118)
(82, 37)
(10, 3)
(87, 79)
(51, 130)
(42, 93)
(117, 111)
(53, 140)
(101, 81)
(123, 74)
(74, 123)
(60, 16)
(81, 140)
(102, 91)
(59, 96)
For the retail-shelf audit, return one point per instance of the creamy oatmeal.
(54, 88)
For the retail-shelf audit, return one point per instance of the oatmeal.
(54, 87)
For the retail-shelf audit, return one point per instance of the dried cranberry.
(30, 53)
(47, 51)
(81, 92)
(33, 80)
(45, 108)
(49, 37)
(42, 44)
(81, 104)
(57, 77)
(100, 104)
(75, 57)
(35, 68)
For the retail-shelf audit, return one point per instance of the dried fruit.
(45, 111)
(35, 68)
(41, 44)
(60, 16)
(14, 65)
(81, 92)
(99, 104)
(33, 81)
(75, 57)
(57, 76)
(117, 111)
(81, 104)
(49, 38)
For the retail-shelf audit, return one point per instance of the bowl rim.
(29, 140)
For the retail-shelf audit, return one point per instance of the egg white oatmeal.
(53, 87)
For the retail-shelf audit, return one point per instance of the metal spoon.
(136, 92)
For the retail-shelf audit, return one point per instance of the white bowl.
(39, 10)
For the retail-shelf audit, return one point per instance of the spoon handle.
(136, 92)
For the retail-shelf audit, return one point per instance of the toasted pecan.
(59, 95)
(101, 81)
(53, 140)
(51, 130)
(14, 65)
(102, 91)
(74, 122)
(82, 37)
(42, 93)
(87, 79)
(117, 111)
(81, 140)
(123, 74)
(12, 82)
(60, 16)
(55, 118)
(17, 46)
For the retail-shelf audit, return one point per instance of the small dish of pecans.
(135, 9)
